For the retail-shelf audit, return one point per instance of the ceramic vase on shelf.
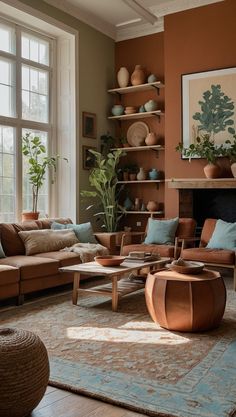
(153, 174)
(138, 76)
(141, 175)
(152, 205)
(123, 77)
(151, 139)
(128, 204)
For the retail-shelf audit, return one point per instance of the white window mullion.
(18, 129)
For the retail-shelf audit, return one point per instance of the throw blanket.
(87, 251)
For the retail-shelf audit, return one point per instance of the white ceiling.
(118, 19)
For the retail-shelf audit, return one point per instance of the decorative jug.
(128, 204)
(138, 76)
(123, 77)
(152, 205)
(153, 174)
(151, 139)
(141, 175)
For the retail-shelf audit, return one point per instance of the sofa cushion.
(9, 275)
(83, 231)
(161, 231)
(32, 266)
(224, 236)
(39, 241)
(64, 258)
(218, 256)
(11, 241)
(163, 250)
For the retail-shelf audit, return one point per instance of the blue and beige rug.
(126, 359)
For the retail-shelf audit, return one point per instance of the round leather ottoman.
(186, 303)
(24, 372)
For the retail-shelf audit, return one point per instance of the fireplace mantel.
(193, 183)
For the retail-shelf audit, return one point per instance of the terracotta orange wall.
(196, 40)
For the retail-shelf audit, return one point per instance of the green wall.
(96, 68)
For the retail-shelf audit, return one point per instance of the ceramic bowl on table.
(109, 260)
(189, 267)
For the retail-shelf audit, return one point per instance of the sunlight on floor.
(121, 335)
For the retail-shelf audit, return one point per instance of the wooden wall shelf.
(160, 212)
(136, 88)
(141, 148)
(143, 115)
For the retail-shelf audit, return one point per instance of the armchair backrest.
(207, 230)
(186, 227)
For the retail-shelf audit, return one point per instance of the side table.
(186, 303)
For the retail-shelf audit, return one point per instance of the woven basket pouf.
(24, 372)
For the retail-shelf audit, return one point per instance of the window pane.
(35, 49)
(7, 39)
(35, 94)
(7, 88)
(7, 174)
(27, 188)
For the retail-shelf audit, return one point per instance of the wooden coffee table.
(115, 289)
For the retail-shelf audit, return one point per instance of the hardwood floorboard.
(60, 403)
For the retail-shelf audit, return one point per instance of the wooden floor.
(59, 403)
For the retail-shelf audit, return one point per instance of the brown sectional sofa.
(21, 274)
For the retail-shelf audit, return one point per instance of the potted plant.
(38, 163)
(204, 147)
(108, 142)
(104, 179)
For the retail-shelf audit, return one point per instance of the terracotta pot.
(151, 139)
(233, 169)
(152, 205)
(212, 170)
(132, 176)
(30, 215)
(138, 77)
(125, 176)
(123, 77)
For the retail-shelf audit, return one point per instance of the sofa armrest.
(186, 241)
(108, 240)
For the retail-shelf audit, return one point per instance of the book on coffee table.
(146, 258)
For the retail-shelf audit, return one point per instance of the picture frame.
(88, 157)
(89, 125)
(208, 105)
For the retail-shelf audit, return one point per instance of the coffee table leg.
(114, 294)
(75, 287)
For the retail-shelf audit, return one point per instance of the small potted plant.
(38, 163)
(133, 170)
(204, 147)
(107, 143)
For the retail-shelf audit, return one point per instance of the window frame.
(17, 122)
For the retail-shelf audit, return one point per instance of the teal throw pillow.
(2, 254)
(224, 236)
(83, 231)
(161, 232)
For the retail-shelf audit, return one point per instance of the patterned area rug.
(126, 359)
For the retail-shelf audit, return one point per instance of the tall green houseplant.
(38, 164)
(104, 179)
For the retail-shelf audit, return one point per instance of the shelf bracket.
(157, 185)
(158, 116)
(156, 152)
(157, 89)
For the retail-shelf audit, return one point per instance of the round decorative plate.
(137, 133)
(188, 268)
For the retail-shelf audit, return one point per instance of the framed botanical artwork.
(88, 157)
(89, 125)
(208, 105)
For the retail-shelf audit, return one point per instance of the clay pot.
(233, 169)
(141, 175)
(212, 171)
(125, 176)
(151, 139)
(138, 76)
(152, 205)
(123, 77)
(153, 174)
(31, 215)
(132, 176)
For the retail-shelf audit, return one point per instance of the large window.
(25, 103)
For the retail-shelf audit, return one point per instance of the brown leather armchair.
(186, 229)
(223, 258)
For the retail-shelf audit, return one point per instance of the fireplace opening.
(214, 203)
